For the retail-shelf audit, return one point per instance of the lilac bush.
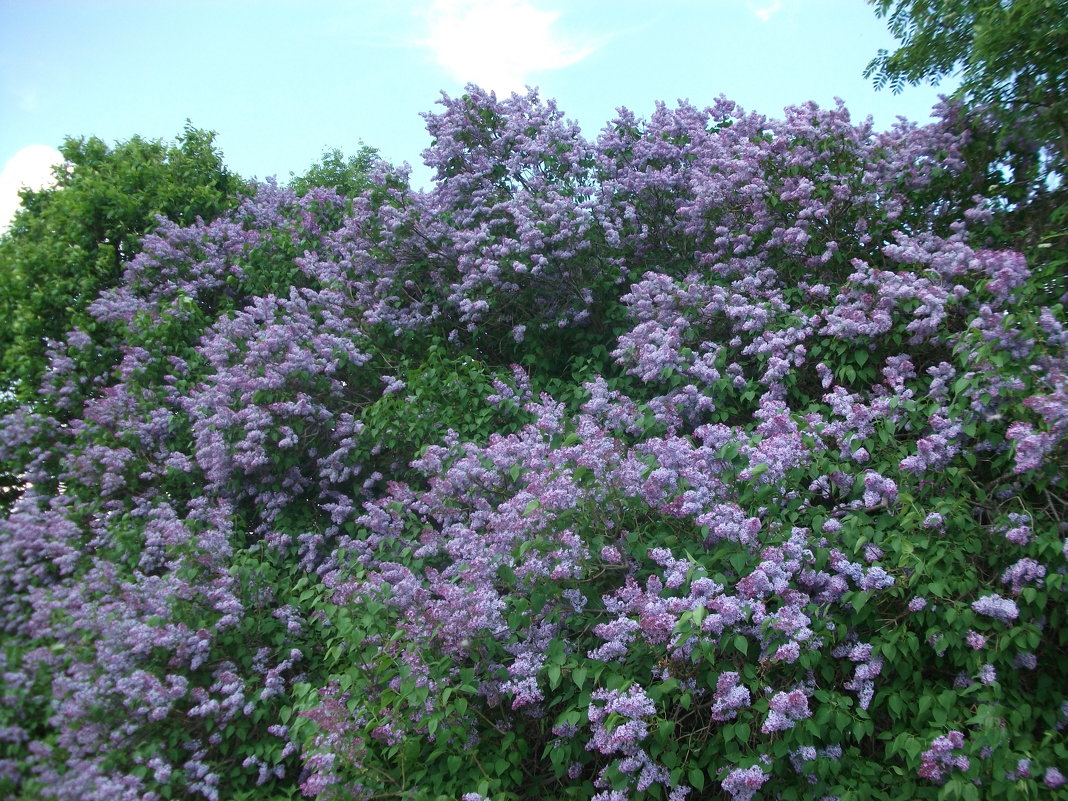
(717, 457)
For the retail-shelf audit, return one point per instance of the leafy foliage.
(349, 176)
(716, 457)
(1011, 56)
(69, 242)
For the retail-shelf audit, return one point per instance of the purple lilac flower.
(996, 607)
(633, 705)
(1031, 448)
(872, 553)
(875, 578)
(1024, 571)
(1018, 529)
(941, 757)
(799, 756)
(788, 652)
(1053, 778)
(1025, 661)
(1021, 771)
(730, 696)
(393, 384)
(975, 640)
(934, 521)
(878, 490)
(1008, 268)
(742, 783)
(786, 708)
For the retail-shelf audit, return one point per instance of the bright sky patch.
(30, 168)
(499, 44)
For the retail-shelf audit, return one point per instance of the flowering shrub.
(714, 458)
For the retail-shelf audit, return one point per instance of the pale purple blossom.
(785, 709)
(1053, 778)
(996, 607)
(942, 757)
(730, 696)
(743, 783)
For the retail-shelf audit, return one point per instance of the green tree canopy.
(349, 176)
(1010, 54)
(69, 242)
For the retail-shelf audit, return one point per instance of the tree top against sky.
(1011, 55)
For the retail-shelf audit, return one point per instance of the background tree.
(349, 176)
(69, 242)
(1012, 61)
(1012, 56)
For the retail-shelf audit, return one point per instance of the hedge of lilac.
(716, 457)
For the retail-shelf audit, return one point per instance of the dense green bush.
(70, 241)
(717, 458)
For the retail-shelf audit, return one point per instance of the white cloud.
(31, 167)
(499, 43)
(766, 10)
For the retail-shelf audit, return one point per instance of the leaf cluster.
(1010, 57)
(70, 241)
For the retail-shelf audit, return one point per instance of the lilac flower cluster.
(942, 757)
(625, 737)
(997, 607)
(729, 698)
(785, 709)
(1024, 571)
(218, 528)
(743, 783)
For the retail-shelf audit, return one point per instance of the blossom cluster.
(770, 441)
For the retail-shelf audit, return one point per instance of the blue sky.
(283, 80)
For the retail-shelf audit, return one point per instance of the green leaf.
(859, 730)
(553, 672)
(697, 778)
(578, 675)
(742, 732)
(741, 644)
